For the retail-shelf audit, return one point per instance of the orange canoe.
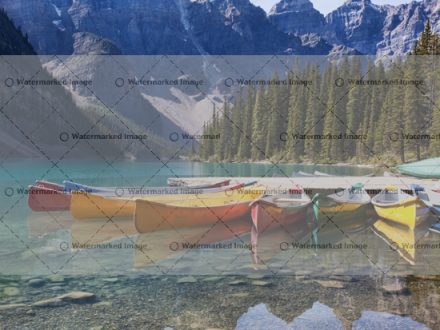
(209, 209)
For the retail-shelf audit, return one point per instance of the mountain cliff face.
(360, 24)
(153, 27)
(235, 27)
(220, 26)
(403, 25)
(297, 16)
(12, 40)
(357, 24)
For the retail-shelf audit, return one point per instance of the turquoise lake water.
(143, 281)
(51, 242)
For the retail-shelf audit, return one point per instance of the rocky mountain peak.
(291, 5)
(296, 16)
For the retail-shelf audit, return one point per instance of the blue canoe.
(428, 168)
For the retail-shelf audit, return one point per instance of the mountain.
(226, 27)
(12, 41)
(36, 113)
(360, 25)
(153, 27)
(188, 27)
(297, 16)
(404, 24)
(357, 24)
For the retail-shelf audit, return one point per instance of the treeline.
(350, 111)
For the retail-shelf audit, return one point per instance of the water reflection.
(335, 243)
(319, 316)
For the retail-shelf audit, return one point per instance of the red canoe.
(49, 185)
(43, 199)
(278, 211)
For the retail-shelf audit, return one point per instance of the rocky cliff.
(297, 16)
(154, 27)
(12, 40)
(360, 24)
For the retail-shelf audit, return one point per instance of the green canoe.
(429, 168)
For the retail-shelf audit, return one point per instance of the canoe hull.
(266, 216)
(340, 208)
(41, 199)
(151, 216)
(89, 206)
(404, 213)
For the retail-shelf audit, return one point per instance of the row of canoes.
(46, 196)
(152, 208)
(175, 207)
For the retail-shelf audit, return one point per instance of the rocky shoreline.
(205, 302)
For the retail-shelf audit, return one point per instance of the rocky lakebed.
(254, 301)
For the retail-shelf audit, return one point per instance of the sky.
(325, 6)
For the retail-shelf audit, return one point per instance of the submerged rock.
(256, 276)
(12, 306)
(11, 291)
(187, 279)
(261, 283)
(76, 297)
(36, 283)
(212, 279)
(396, 288)
(331, 284)
(386, 321)
(56, 278)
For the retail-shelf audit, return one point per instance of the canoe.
(71, 186)
(42, 199)
(151, 215)
(93, 206)
(180, 182)
(395, 205)
(279, 210)
(430, 198)
(49, 185)
(48, 196)
(428, 168)
(347, 200)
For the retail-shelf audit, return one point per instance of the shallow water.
(205, 277)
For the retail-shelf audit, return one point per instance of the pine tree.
(373, 112)
(314, 111)
(244, 149)
(297, 111)
(355, 106)
(276, 119)
(434, 147)
(428, 43)
(237, 126)
(413, 107)
(259, 125)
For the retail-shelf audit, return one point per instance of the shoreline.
(267, 162)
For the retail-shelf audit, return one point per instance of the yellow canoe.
(206, 209)
(395, 205)
(340, 208)
(92, 206)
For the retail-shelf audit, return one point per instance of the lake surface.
(351, 263)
